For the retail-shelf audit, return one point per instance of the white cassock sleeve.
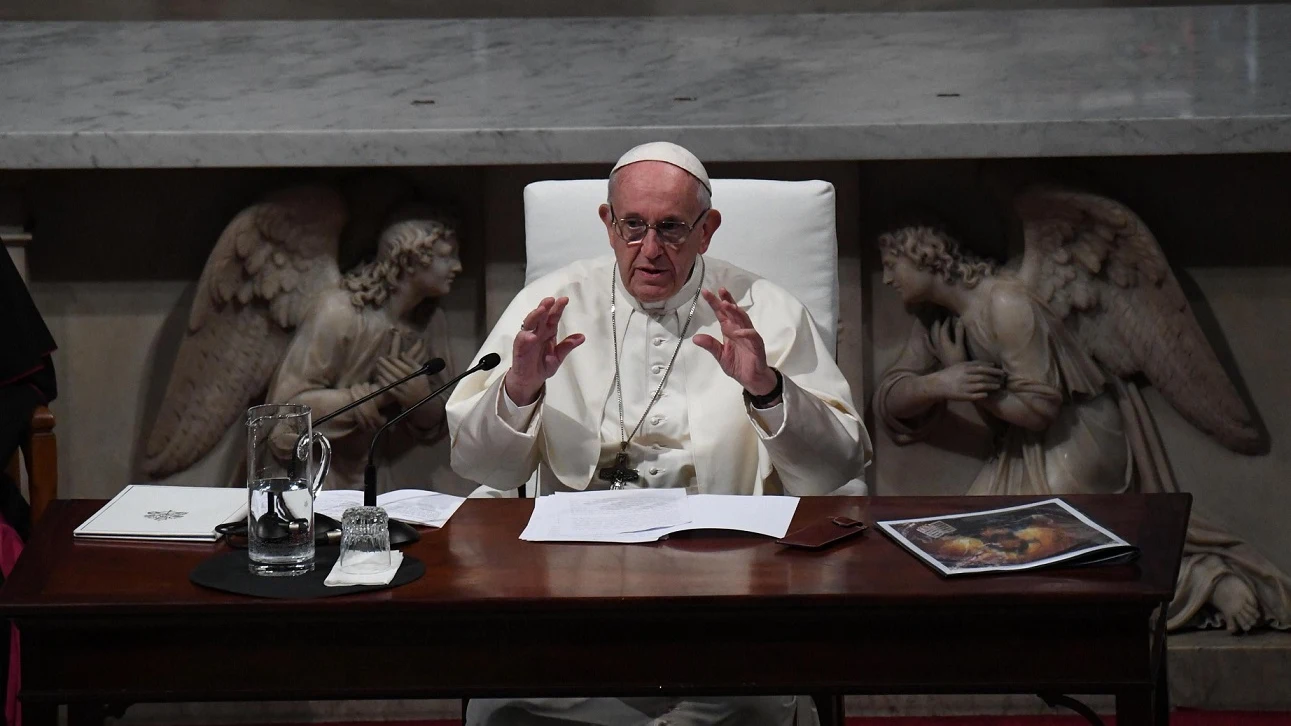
(811, 444)
(492, 444)
(516, 416)
(497, 445)
(769, 420)
(814, 436)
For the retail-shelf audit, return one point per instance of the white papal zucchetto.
(668, 153)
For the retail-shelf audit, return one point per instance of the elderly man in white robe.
(657, 367)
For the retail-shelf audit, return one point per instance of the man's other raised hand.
(535, 353)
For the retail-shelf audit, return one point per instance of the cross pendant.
(618, 475)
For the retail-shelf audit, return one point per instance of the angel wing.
(270, 262)
(1097, 266)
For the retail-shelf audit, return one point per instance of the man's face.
(651, 192)
(436, 279)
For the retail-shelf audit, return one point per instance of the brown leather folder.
(823, 533)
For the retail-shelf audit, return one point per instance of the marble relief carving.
(275, 319)
(1052, 349)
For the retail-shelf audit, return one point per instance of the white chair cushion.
(783, 231)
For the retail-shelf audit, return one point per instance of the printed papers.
(646, 515)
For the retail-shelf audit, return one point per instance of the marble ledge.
(976, 84)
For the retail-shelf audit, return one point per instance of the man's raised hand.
(535, 353)
(743, 355)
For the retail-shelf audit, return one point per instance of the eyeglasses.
(633, 230)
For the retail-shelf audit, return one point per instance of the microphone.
(276, 524)
(433, 366)
(402, 532)
(273, 524)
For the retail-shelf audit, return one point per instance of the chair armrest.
(42, 420)
(40, 451)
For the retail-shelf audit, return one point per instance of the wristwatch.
(770, 397)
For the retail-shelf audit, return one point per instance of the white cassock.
(699, 434)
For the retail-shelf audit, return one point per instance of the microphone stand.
(433, 366)
(402, 532)
(322, 522)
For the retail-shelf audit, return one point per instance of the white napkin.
(336, 578)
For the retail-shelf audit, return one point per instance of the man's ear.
(712, 221)
(608, 219)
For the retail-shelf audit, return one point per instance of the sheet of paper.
(543, 520)
(621, 512)
(761, 515)
(414, 506)
(417, 506)
(333, 503)
(770, 516)
(593, 516)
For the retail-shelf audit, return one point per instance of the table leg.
(1162, 695)
(1161, 681)
(829, 709)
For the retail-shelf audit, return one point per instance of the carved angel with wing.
(274, 317)
(1049, 352)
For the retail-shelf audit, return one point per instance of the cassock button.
(658, 342)
(657, 369)
(656, 420)
(653, 470)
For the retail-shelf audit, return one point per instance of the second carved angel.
(1049, 352)
(274, 317)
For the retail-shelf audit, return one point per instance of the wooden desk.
(698, 614)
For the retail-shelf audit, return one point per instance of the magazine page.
(1013, 538)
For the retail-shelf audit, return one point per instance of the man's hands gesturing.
(743, 356)
(535, 354)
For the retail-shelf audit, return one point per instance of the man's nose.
(887, 277)
(651, 246)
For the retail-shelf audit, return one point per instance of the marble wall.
(309, 9)
(117, 253)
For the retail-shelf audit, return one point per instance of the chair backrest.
(783, 231)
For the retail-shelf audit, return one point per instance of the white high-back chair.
(784, 231)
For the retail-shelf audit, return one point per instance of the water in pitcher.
(280, 537)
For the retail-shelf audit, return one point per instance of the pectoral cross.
(618, 475)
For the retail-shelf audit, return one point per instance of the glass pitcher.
(280, 489)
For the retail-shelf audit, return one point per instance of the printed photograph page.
(1013, 538)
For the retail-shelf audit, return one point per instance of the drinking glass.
(365, 541)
